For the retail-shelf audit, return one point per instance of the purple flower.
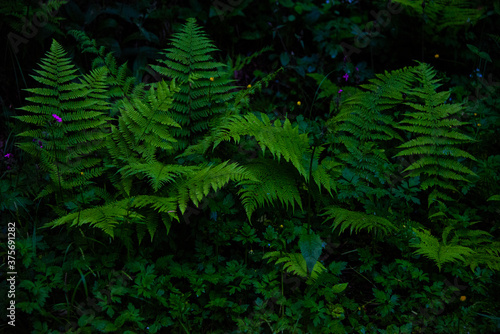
(8, 167)
(340, 91)
(8, 155)
(346, 76)
(357, 69)
(59, 119)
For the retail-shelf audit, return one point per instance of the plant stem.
(309, 192)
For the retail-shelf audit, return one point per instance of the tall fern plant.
(396, 105)
(435, 139)
(204, 83)
(68, 123)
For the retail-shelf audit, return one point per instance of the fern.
(136, 146)
(436, 157)
(295, 264)
(275, 182)
(107, 217)
(205, 85)
(363, 127)
(119, 81)
(367, 124)
(440, 253)
(145, 124)
(284, 142)
(67, 121)
(204, 178)
(446, 13)
(356, 221)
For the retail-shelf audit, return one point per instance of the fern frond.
(204, 84)
(158, 173)
(272, 182)
(295, 264)
(356, 221)
(199, 183)
(446, 13)
(282, 141)
(365, 124)
(105, 217)
(441, 253)
(145, 126)
(69, 127)
(435, 137)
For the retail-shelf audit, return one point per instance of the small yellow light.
(478, 124)
(463, 298)
(249, 86)
(475, 114)
(281, 226)
(299, 103)
(212, 79)
(436, 56)
(81, 173)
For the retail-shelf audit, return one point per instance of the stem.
(57, 166)
(184, 327)
(309, 192)
(316, 93)
(282, 294)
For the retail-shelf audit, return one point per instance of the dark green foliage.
(226, 235)
(310, 246)
(446, 13)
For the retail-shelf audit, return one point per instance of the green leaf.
(494, 198)
(310, 247)
(481, 54)
(484, 55)
(287, 3)
(284, 58)
(338, 288)
(473, 48)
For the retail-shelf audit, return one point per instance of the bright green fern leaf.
(356, 221)
(441, 253)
